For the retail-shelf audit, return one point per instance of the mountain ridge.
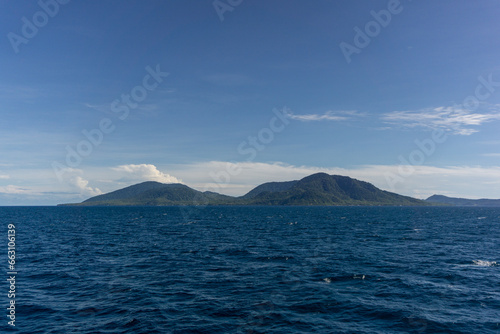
(317, 189)
(456, 201)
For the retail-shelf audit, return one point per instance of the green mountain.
(463, 201)
(155, 193)
(269, 187)
(324, 189)
(316, 189)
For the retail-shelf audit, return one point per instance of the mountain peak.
(319, 175)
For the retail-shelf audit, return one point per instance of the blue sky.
(421, 71)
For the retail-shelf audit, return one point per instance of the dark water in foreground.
(254, 270)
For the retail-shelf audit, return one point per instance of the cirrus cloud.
(330, 115)
(454, 119)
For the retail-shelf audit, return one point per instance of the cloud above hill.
(143, 172)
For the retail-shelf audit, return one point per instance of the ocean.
(251, 270)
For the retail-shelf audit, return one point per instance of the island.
(319, 189)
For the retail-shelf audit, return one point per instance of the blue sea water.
(253, 270)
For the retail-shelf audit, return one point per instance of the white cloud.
(491, 155)
(83, 186)
(454, 119)
(327, 116)
(12, 189)
(4, 177)
(144, 172)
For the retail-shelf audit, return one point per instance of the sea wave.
(483, 263)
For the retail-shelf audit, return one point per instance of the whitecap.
(483, 263)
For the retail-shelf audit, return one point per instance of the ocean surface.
(253, 270)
